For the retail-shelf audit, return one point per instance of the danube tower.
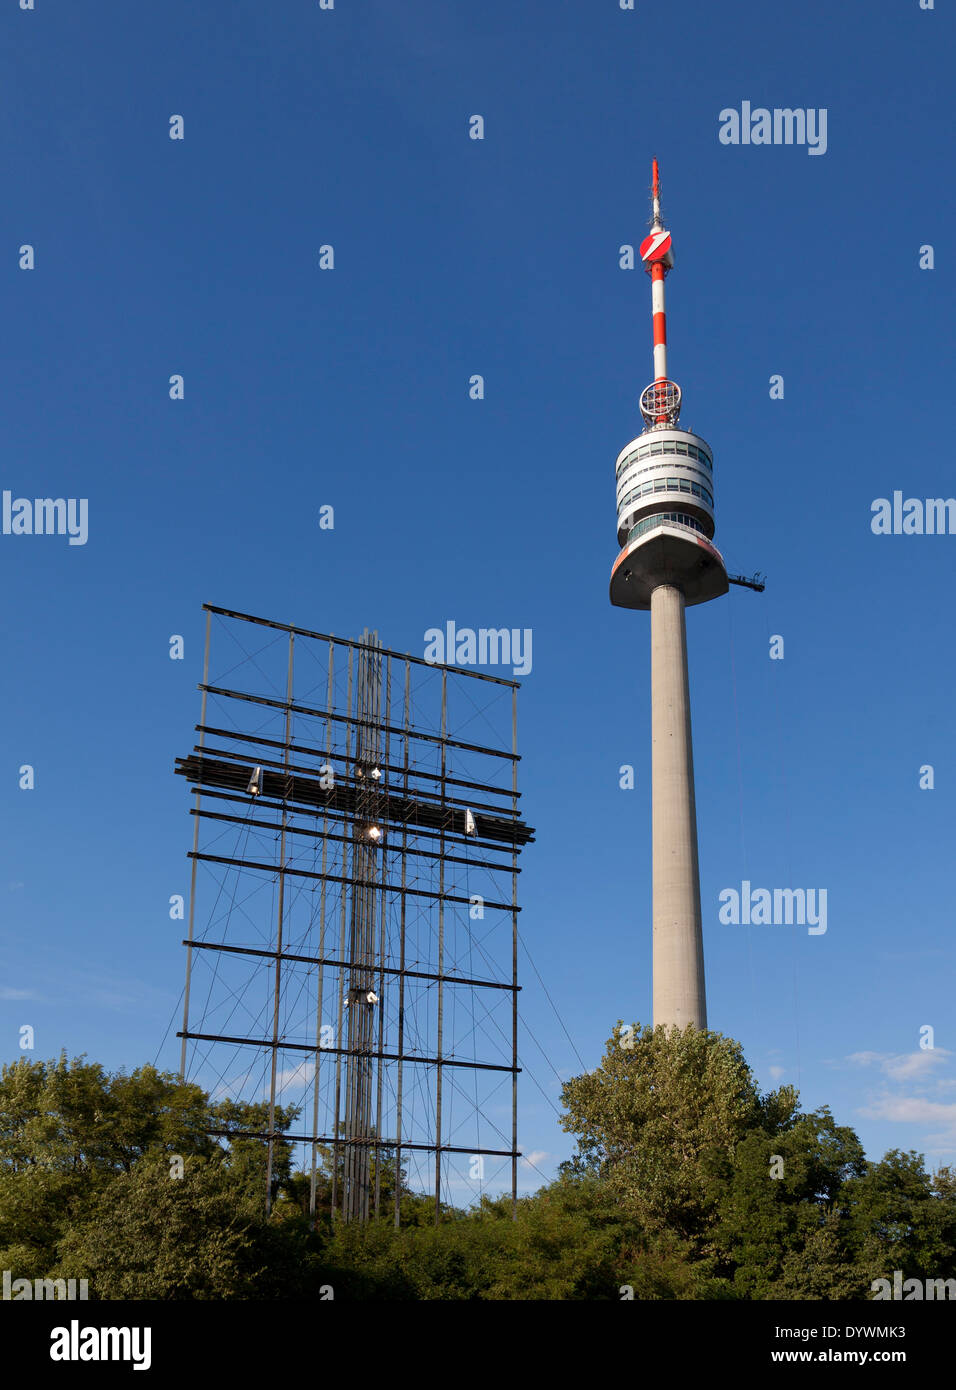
(665, 524)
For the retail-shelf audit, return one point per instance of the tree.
(247, 1158)
(660, 1120)
(87, 1174)
(783, 1228)
(687, 1183)
(72, 1116)
(904, 1219)
(151, 1236)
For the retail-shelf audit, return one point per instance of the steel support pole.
(277, 995)
(320, 981)
(192, 877)
(441, 952)
(514, 962)
(336, 1152)
(382, 924)
(401, 957)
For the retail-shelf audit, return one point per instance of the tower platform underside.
(669, 553)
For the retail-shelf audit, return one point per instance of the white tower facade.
(665, 526)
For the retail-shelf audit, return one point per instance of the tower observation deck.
(665, 526)
(665, 477)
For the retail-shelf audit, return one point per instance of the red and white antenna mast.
(660, 402)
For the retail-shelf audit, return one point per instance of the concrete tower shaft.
(679, 995)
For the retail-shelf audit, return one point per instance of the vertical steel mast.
(362, 997)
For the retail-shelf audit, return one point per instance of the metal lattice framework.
(352, 942)
(660, 402)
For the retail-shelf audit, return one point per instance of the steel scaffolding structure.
(353, 909)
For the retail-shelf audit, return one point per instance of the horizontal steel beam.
(350, 799)
(399, 769)
(401, 657)
(365, 1143)
(349, 965)
(410, 850)
(224, 693)
(346, 1051)
(355, 882)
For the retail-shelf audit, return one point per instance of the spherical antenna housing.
(660, 402)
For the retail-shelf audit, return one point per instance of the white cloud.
(536, 1157)
(937, 1118)
(912, 1110)
(293, 1077)
(903, 1066)
(918, 1071)
(864, 1059)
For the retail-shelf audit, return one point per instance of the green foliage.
(248, 1158)
(87, 1182)
(150, 1236)
(661, 1118)
(902, 1218)
(550, 1251)
(68, 1116)
(687, 1183)
(780, 1234)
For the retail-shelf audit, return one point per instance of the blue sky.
(349, 387)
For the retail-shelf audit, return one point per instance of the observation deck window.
(659, 518)
(664, 447)
(662, 485)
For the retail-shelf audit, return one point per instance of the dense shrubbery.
(670, 1192)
